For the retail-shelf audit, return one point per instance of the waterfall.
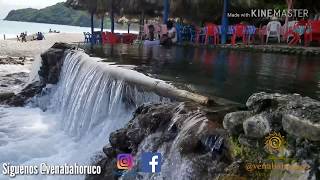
(90, 94)
(91, 100)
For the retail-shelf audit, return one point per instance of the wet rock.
(52, 61)
(247, 141)
(118, 139)
(12, 60)
(277, 112)
(296, 118)
(22, 97)
(233, 121)
(6, 96)
(49, 73)
(181, 133)
(263, 101)
(301, 127)
(257, 126)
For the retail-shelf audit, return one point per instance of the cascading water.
(71, 121)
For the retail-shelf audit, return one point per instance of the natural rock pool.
(231, 74)
(83, 111)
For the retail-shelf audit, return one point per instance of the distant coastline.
(57, 14)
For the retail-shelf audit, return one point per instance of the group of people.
(167, 39)
(39, 36)
(23, 36)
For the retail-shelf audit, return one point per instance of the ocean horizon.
(13, 28)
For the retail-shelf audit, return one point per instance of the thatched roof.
(136, 7)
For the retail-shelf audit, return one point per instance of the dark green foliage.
(56, 14)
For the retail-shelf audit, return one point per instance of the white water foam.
(80, 112)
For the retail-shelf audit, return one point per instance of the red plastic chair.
(104, 37)
(239, 31)
(128, 38)
(261, 33)
(112, 38)
(312, 32)
(295, 32)
(212, 31)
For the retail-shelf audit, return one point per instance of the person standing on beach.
(4, 37)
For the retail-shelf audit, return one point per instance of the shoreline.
(34, 48)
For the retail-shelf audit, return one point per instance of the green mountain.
(56, 14)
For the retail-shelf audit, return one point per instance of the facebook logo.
(150, 162)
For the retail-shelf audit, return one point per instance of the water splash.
(91, 100)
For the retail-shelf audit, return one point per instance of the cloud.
(29, 3)
(8, 5)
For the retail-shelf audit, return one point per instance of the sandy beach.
(16, 58)
(34, 48)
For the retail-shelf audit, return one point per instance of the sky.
(8, 5)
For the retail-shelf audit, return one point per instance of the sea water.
(13, 28)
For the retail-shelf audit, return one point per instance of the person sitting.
(150, 36)
(171, 37)
(40, 36)
(23, 37)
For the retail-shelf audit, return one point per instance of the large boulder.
(233, 122)
(296, 115)
(256, 126)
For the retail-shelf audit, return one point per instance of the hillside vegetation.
(56, 14)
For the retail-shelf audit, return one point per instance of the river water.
(234, 75)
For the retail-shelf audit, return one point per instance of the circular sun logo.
(274, 143)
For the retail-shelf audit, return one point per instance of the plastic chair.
(212, 31)
(288, 34)
(112, 38)
(274, 30)
(294, 32)
(312, 32)
(239, 31)
(104, 37)
(128, 38)
(198, 35)
(250, 31)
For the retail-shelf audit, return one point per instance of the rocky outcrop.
(294, 114)
(49, 72)
(296, 118)
(52, 61)
(14, 60)
(192, 146)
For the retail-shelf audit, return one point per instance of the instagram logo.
(124, 161)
